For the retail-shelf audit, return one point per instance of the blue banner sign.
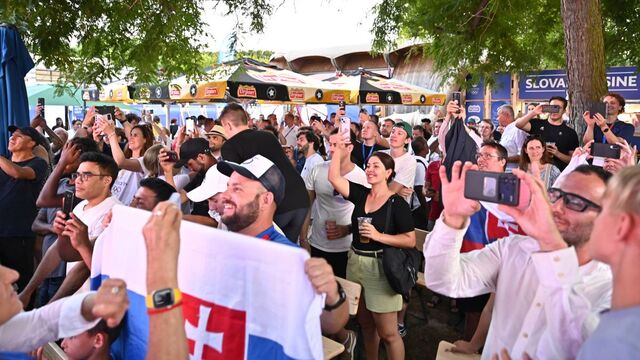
(501, 89)
(476, 91)
(545, 84)
(475, 111)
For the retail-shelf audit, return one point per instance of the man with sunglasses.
(548, 290)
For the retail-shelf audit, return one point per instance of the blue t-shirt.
(272, 234)
(619, 128)
(616, 337)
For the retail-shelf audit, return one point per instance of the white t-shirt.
(310, 163)
(127, 183)
(93, 219)
(405, 171)
(290, 134)
(330, 206)
(421, 173)
(512, 139)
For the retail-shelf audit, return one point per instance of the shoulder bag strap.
(386, 223)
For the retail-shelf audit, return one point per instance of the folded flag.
(243, 298)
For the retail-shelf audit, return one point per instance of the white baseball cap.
(214, 182)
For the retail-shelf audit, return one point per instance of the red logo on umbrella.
(211, 91)
(247, 91)
(372, 98)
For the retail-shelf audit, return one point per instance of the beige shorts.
(367, 271)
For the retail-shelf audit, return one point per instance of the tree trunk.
(584, 48)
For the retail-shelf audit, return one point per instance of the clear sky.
(299, 24)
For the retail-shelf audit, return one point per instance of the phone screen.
(191, 126)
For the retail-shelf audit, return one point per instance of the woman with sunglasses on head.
(536, 160)
(390, 224)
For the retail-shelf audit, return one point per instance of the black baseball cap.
(30, 132)
(191, 149)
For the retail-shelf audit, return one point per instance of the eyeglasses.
(84, 176)
(487, 156)
(572, 201)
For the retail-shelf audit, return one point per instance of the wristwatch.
(342, 296)
(605, 130)
(163, 300)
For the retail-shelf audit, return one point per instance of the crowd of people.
(555, 281)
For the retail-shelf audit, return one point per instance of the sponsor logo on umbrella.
(193, 90)
(407, 99)
(111, 94)
(389, 98)
(175, 91)
(158, 92)
(119, 94)
(86, 96)
(438, 100)
(337, 97)
(296, 94)
(372, 98)
(319, 94)
(211, 91)
(423, 99)
(271, 93)
(247, 91)
(144, 93)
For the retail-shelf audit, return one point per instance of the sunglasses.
(572, 201)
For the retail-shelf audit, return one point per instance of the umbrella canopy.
(48, 92)
(250, 79)
(370, 88)
(114, 93)
(15, 63)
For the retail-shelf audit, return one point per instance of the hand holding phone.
(499, 188)
(41, 105)
(68, 202)
(190, 126)
(456, 97)
(535, 215)
(345, 129)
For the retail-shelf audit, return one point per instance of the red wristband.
(160, 311)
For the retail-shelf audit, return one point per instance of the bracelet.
(164, 309)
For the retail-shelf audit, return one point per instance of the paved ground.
(421, 342)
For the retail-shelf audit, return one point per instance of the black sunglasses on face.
(572, 201)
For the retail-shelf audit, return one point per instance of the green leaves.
(96, 41)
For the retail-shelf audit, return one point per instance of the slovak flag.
(243, 298)
(486, 226)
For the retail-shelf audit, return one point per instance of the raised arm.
(335, 178)
(524, 122)
(49, 197)
(118, 155)
(16, 171)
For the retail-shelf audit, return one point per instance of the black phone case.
(68, 202)
(551, 109)
(106, 110)
(600, 108)
(506, 187)
(610, 151)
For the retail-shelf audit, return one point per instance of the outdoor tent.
(367, 87)
(248, 79)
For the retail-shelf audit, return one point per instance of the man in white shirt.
(548, 289)
(26, 331)
(405, 163)
(308, 144)
(512, 137)
(289, 130)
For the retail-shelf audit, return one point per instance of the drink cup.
(364, 220)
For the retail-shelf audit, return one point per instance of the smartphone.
(457, 97)
(601, 108)
(345, 129)
(41, 103)
(500, 188)
(68, 202)
(109, 112)
(551, 109)
(341, 105)
(191, 126)
(610, 151)
(173, 156)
